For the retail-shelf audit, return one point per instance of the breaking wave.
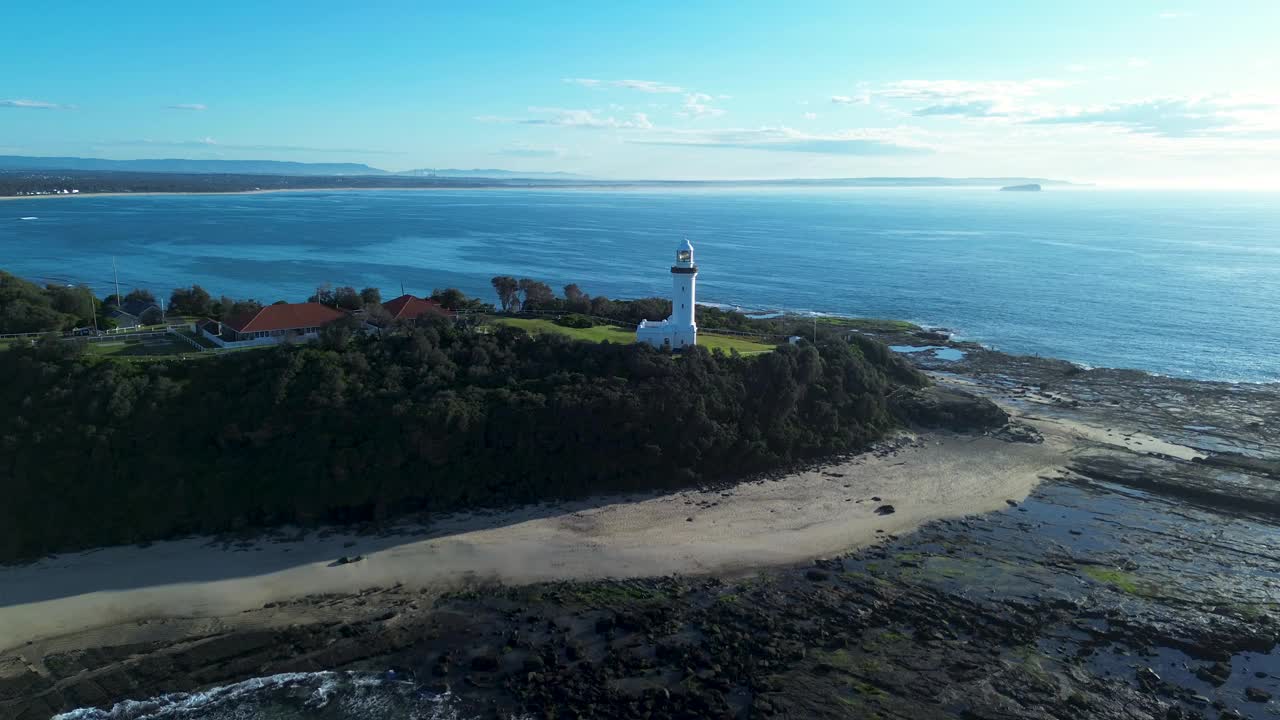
(323, 695)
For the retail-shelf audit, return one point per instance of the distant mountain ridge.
(177, 165)
(282, 168)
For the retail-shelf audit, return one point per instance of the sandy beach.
(765, 523)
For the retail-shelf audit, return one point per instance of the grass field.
(139, 347)
(612, 333)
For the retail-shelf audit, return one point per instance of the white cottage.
(680, 330)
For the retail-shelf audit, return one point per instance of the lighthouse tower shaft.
(684, 291)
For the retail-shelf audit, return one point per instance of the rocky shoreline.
(1142, 581)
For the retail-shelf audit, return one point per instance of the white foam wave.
(348, 694)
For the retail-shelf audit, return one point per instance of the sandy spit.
(810, 514)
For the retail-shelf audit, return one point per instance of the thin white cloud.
(194, 107)
(34, 105)
(811, 116)
(492, 119)
(698, 105)
(963, 98)
(523, 150)
(849, 99)
(586, 119)
(1076, 68)
(1179, 117)
(882, 142)
(1174, 15)
(1136, 62)
(648, 86)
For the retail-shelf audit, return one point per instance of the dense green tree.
(508, 289)
(325, 296)
(338, 334)
(141, 295)
(346, 298)
(602, 306)
(450, 298)
(67, 299)
(26, 307)
(244, 307)
(535, 295)
(377, 315)
(194, 300)
(370, 296)
(575, 300)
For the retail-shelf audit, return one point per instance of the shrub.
(575, 320)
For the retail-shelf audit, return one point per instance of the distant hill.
(490, 173)
(236, 167)
(349, 174)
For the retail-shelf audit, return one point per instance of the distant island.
(1028, 187)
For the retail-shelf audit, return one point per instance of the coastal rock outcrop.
(950, 409)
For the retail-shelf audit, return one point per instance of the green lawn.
(137, 347)
(612, 333)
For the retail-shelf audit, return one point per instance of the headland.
(1110, 552)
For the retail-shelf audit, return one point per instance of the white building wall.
(259, 341)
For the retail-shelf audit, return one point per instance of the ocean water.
(1179, 283)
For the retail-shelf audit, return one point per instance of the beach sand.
(816, 513)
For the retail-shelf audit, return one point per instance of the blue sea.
(1179, 283)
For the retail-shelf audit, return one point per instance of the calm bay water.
(1179, 283)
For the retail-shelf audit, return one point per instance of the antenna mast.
(116, 273)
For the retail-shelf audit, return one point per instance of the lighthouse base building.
(680, 330)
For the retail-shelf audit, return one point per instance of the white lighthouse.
(681, 329)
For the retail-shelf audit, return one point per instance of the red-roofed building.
(410, 308)
(272, 324)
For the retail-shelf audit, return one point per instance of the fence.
(85, 333)
(620, 323)
(172, 330)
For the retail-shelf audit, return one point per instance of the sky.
(1132, 93)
